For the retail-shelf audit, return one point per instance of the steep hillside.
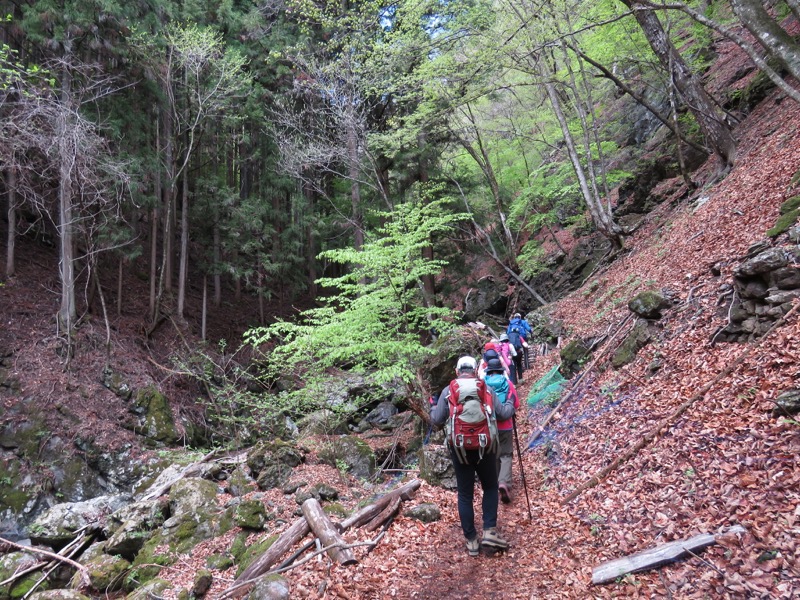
(728, 459)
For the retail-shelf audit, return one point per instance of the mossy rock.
(155, 416)
(58, 595)
(250, 514)
(253, 551)
(271, 587)
(336, 509)
(21, 587)
(791, 204)
(239, 545)
(219, 562)
(784, 222)
(11, 563)
(573, 355)
(148, 563)
(239, 482)
(352, 452)
(427, 512)
(637, 338)
(648, 304)
(153, 589)
(106, 573)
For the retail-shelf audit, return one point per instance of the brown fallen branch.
(84, 573)
(576, 385)
(300, 528)
(325, 530)
(385, 515)
(366, 514)
(671, 418)
(656, 557)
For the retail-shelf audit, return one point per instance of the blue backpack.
(499, 383)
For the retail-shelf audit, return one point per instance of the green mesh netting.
(547, 389)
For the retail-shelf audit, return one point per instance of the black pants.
(486, 469)
(518, 364)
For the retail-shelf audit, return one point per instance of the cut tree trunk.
(326, 531)
(656, 557)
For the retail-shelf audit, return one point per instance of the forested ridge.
(228, 223)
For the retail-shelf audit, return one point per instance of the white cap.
(466, 362)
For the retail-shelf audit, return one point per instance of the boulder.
(150, 590)
(787, 403)
(58, 595)
(59, 524)
(115, 381)
(12, 563)
(381, 414)
(106, 573)
(436, 467)
(271, 587)
(764, 262)
(353, 453)
(649, 304)
(131, 526)
(573, 356)
(154, 417)
(272, 462)
(240, 482)
(426, 512)
(322, 422)
(637, 338)
(250, 514)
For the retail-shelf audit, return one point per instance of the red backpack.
(472, 424)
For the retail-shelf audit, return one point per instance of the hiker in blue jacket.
(519, 332)
(483, 464)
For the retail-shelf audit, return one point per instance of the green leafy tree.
(375, 319)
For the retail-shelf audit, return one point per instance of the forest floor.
(727, 460)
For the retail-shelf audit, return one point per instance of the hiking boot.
(505, 493)
(492, 539)
(474, 547)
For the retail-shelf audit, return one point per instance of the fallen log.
(325, 530)
(296, 532)
(656, 557)
(385, 515)
(366, 514)
(187, 471)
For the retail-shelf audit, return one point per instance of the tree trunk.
(698, 101)
(769, 34)
(324, 529)
(11, 186)
(183, 272)
(355, 189)
(205, 308)
(169, 199)
(154, 223)
(311, 255)
(602, 218)
(66, 160)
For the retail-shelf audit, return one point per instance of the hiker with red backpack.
(469, 410)
(506, 393)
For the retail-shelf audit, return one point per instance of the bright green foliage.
(375, 318)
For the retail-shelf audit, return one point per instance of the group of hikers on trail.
(477, 409)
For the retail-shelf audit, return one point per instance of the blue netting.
(547, 389)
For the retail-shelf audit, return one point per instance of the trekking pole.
(521, 469)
